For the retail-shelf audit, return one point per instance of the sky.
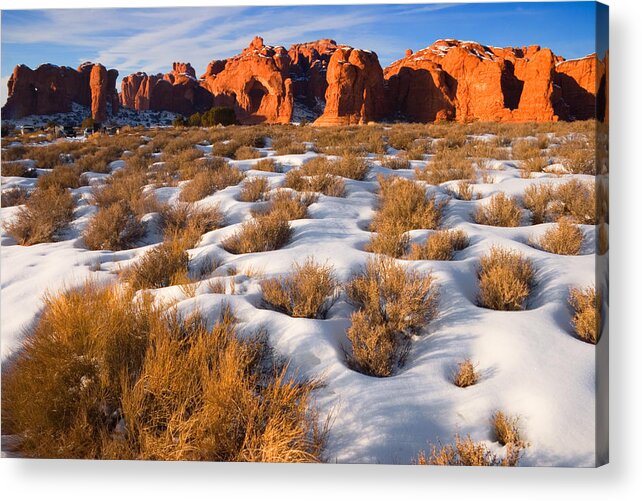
(150, 39)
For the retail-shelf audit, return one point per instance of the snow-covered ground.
(530, 363)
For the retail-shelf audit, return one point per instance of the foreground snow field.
(530, 362)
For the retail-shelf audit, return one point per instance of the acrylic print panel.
(376, 235)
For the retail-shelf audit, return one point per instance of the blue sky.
(151, 39)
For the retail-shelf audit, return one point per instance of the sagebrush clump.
(308, 292)
(44, 216)
(505, 280)
(105, 375)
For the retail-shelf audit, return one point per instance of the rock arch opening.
(256, 94)
(512, 87)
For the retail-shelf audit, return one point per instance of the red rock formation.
(355, 92)
(52, 89)
(579, 81)
(255, 83)
(178, 91)
(308, 68)
(469, 81)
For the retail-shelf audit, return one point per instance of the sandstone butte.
(52, 89)
(449, 80)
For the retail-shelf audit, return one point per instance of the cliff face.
(255, 83)
(469, 81)
(52, 89)
(355, 93)
(449, 80)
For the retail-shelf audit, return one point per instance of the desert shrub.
(246, 153)
(466, 452)
(403, 206)
(525, 149)
(564, 238)
(104, 375)
(99, 160)
(447, 165)
(159, 266)
(348, 166)
(62, 176)
(308, 292)
(115, 228)
(44, 216)
(505, 280)
(402, 300)
(586, 316)
(465, 375)
(506, 429)
(260, 234)
(18, 169)
(287, 205)
(577, 157)
(404, 202)
(47, 157)
(209, 181)
(577, 200)
(286, 146)
(329, 185)
(500, 211)
(253, 189)
(184, 164)
(186, 222)
(463, 191)
(126, 185)
(536, 163)
(11, 153)
(225, 149)
(14, 196)
(537, 198)
(440, 245)
(375, 349)
(266, 165)
(395, 163)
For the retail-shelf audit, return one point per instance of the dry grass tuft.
(348, 166)
(505, 280)
(403, 300)
(500, 211)
(403, 206)
(14, 196)
(261, 234)
(586, 317)
(307, 292)
(107, 376)
(17, 169)
(392, 304)
(440, 245)
(447, 165)
(208, 181)
(329, 185)
(266, 165)
(465, 375)
(537, 198)
(114, 228)
(287, 205)
(506, 430)
(564, 238)
(159, 267)
(187, 223)
(62, 176)
(254, 189)
(466, 452)
(44, 216)
(246, 153)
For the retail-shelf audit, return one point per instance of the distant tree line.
(219, 115)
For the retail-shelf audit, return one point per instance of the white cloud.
(3, 90)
